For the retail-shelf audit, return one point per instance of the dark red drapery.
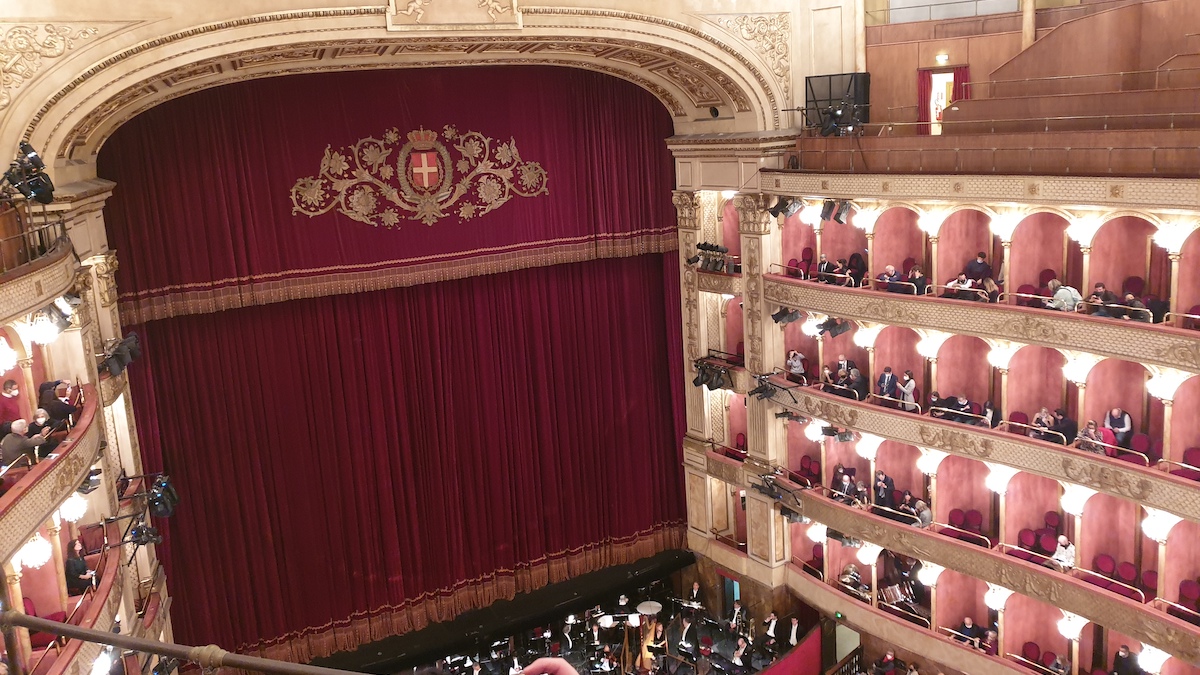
(960, 90)
(354, 466)
(924, 96)
(203, 213)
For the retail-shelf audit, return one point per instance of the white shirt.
(1065, 555)
(771, 628)
(794, 639)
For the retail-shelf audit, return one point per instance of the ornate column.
(933, 258)
(1162, 385)
(767, 540)
(860, 36)
(761, 247)
(694, 339)
(27, 383)
(1087, 267)
(54, 530)
(16, 602)
(1175, 309)
(1028, 23)
(105, 268)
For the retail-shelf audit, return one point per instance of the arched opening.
(730, 237)
(899, 462)
(1029, 620)
(1111, 528)
(896, 347)
(1035, 380)
(1032, 503)
(963, 235)
(963, 369)
(1123, 257)
(1188, 301)
(1040, 251)
(960, 596)
(1114, 383)
(961, 490)
(799, 242)
(898, 241)
(794, 338)
(844, 241)
(1185, 424)
(734, 326)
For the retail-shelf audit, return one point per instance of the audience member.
(10, 403)
(862, 496)
(79, 577)
(797, 366)
(912, 669)
(990, 644)
(827, 375)
(938, 406)
(886, 384)
(844, 490)
(907, 387)
(841, 272)
(1125, 663)
(978, 269)
(1089, 439)
(1103, 302)
(794, 635)
(857, 269)
(1042, 420)
(992, 290)
(1064, 554)
(916, 277)
(991, 416)
(884, 486)
(886, 664)
(889, 277)
(1060, 666)
(1066, 427)
(58, 403)
(960, 287)
(42, 425)
(1121, 424)
(1137, 310)
(825, 270)
(16, 443)
(858, 384)
(968, 632)
(770, 642)
(845, 364)
(850, 577)
(924, 514)
(962, 410)
(1065, 298)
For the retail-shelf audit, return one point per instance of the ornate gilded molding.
(106, 274)
(727, 470)
(112, 387)
(872, 621)
(1114, 193)
(715, 282)
(1113, 477)
(34, 285)
(1128, 340)
(24, 49)
(1107, 609)
(687, 208)
(769, 35)
(25, 508)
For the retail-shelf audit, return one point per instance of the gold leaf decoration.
(377, 181)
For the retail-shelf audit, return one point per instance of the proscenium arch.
(687, 69)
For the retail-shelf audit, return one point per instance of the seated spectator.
(907, 386)
(862, 496)
(890, 276)
(42, 425)
(924, 514)
(1089, 439)
(908, 504)
(844, 490)
(10, 408)
(857, 268)
(887, 664)
(1041, 421)
(960, 287)
(1063, 425)
(858, 384)
(16, 443)
(827, 376)
(992, 290)
(968, 632)
(1065, 298)
(1064, 554)
(991, 416)
(838, 472)
(916, 277)
(887, 384)
(824, 270)
(978, 269)
(79, 577)
(841, 272)
(1061, 665)
(1103, 302)
(912, 669)
(961, 408)
(1137, 310)
(938, 406)
(990, 644)
(1121, 424)
(797, 365)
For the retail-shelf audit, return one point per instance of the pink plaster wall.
(1110, 525)
(837, 452)
(796, 236)
(1035, 379)
(963, 368)
(1028, 499)
(897, 237)
(843, 240)
(896, 346)
(1189, 275)
(41, 585)
(1185, 426)
(899, 461)
(958, 596)
(794, 338)
(737, 418)
(734, 324)
(1028, 620)
(964, 234)
(731, 238)
(1116, 384)
(1119, 251)
(960, 485)
(844, 344)
(1037, 244)
(799, 446)
(802, 546)
(1183, 559)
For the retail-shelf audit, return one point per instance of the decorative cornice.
(1060, 590)
(1128, 340)
(24, 48)
(27, 505)
(715, 282)
(1119, 479)
(32, 286)
(769, 35)
(1116, 193)
(111, 388)
(872, 621)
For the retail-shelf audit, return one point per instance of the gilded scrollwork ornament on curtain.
(428, 178)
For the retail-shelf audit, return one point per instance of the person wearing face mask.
(10, 403)
(42, 425)
(907, 390)
(59, 404)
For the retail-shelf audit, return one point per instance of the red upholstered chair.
(1104, 564)
(815, 470)
(1156, 451)
(1150, 583)
(1107, 436)
(1031, 651)
(805, 463)
(1127, 573)
(1053, 520)
(793, 268)
(1190, 322)
(92, 538)
(957, 518)
(1048, 543)
(740, 443)
(36, 639)
(1189, 593)
(1140, 442)
(1018, 417)
(1028, 289)
(976, 409)
(1191, 457)
(1026, 539)
(973, 521)
(1048, 658)
(806, 256)
(907, 265)
(1135, 285)
(897, 496)
(740, 350)
(1046, 276)
(818, 551)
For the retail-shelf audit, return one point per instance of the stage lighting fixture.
(785, 316)
(694, 259)
(59, 318)
(27, 176)
(90, 482)
(778, 317)
(705, 246)
(162, 497)
(842, 211)
(782, 204)
(31, 155)
(720, 378)
(703, 375)
(721, 249)
(833, 118)
(834, 327)
(763, 391)
(122, 354)
(789, 415)
(827, 209)
(142, 534)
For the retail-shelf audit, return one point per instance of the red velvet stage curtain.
(924, 97)
(203, 212)
(354, 466)
(959, 90)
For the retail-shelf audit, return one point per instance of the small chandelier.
(73, 508)
(36, 552)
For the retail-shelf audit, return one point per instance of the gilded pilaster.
(16, 603)
(694, 338)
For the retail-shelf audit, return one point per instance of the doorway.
(939, 98)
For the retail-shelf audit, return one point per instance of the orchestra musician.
(687, 637)
(741, 655)
(694, 594)
(737, 619)
(769, 642)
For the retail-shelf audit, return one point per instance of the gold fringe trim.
(447, 603)
(250, 291)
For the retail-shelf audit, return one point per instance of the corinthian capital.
(752, 213)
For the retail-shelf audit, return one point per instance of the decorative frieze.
(33, 286)
(722, 284)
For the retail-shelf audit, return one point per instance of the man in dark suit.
(858, 383)
(968, 632)
(1125, 663)
(844, 364)
(694, 594)
(1064, 425)
(938, 406)
(771, 629)
(59, 405)
(737, 618)
(687, 638)
(824, 269)
(884, 487)
(886, 384)
(978, 269)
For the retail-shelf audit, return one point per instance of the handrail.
(876, 282)
(804, 564)
(850, 663)
(56, 645)
(1116, 449)
(957, 413)
(914, 615)
(1004, 296)
(984, 541)
(1046, 120)
(23, 458)
(977, 291)
(1163, 601)
(1034, 664)
(839, 386)
(849, 279)
(1045, 558)
(34, 238)
(861, 595)
(952, 633)
(1169, 462)
(1030, 427)
(902, 402)
(883, 16)
(803, 274)
(1049, 78)
(91, 590)
(724, 450)
(1110, 580)
(1125, 309)
(916, 520)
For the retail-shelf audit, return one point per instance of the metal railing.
(853, 394)
(809, 568)
(877, 282)
(957, 636)
(801, 273)
(30, 245)
(1166, 606)
(1166, 464)
(902, 404)
(1058, 79)
(850, 665)
(1031, 664)
(1171, 317)
(982, 294)
(1031, 428)
(1117, 122)
(909, 616)
(954, 9)
(1122, 310)
(1002, 548)
(979, 538)
(1112, 450)
(1082, 572)
(948, 414)
(908, 518)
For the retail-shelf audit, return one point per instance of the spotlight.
(162, 498)
(27, 176)
(833, 118)
(694, 259)
(31, 156)
(90, 482)
(778, 317)
(842, 211)
(763, 391)
(705, 246)
(781, 206)
(789, 415)
(122, 354)
(827, 209)
(703, 375)
(785, 316)
(58, 317)
(719, 379)
(142, 534)
(834, 327)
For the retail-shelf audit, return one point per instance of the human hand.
(549, 666)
